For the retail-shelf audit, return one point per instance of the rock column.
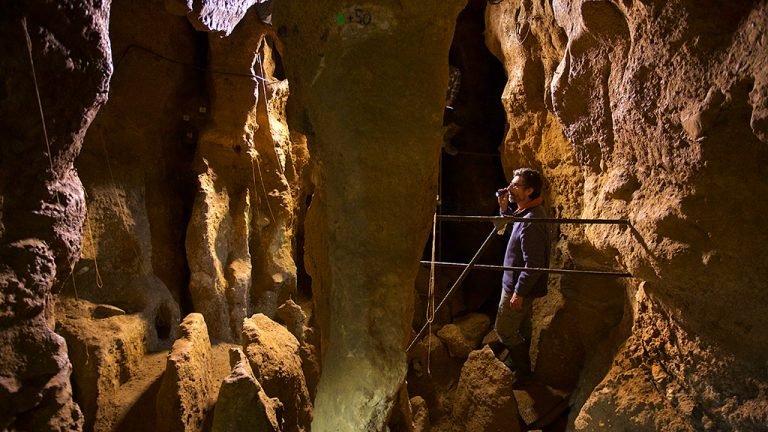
(370, 79)
(41, 197)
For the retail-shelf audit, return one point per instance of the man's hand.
(503, 199)
(516, 302)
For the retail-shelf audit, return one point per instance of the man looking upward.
(529, 246)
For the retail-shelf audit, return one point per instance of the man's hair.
(531, 179)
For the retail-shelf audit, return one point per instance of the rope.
(190, 65)
(518, 27)
(458, 282)
(266, 108)
(261, 178)
(431, 294)
(99, 281)
(37, 93)
(45, 129)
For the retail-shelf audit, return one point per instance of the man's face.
(517, 192)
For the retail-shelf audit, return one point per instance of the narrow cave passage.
(580, 313)
(470, 171)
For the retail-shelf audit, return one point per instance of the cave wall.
(654, 112)
(648, 110)
(193, 181)
(368, 85)
(41, 198)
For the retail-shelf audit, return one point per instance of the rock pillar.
(370, 80)
(41, 197)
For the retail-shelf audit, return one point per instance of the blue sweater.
(529, 246)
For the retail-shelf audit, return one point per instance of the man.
(529, 246)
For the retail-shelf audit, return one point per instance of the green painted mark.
(341, 19)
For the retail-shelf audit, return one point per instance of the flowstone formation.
(55, 75)
(654, 112)
(369, 85)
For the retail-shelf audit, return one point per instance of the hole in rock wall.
(163, 321)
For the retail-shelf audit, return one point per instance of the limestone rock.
(420, 414)
(42, 206)
(484, 399)
(240, 235)
(242, 404)
(310, 359)
(185, 396)
(136, 173)
(658, 116)
(41, 356)
(273, 353)
(365, 160)
(216, 16)
(433, 373)
(291, 315)
(105, 354)
(672, 363)
(465, 335)
(454, 339)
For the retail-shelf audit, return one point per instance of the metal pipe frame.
(530, 269)
(495, 219)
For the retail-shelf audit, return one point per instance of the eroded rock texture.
(650, 111)
(240, 237)
(41, 197)
(185, 397)
(484, 400)
(369, 82)
(273, 353)
(242, 403)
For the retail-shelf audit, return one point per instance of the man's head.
(525, 185)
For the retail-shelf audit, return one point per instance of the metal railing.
(499, 223)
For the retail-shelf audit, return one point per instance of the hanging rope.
(266, 106)
(45, 129)
(458, 282)
(519, 30)
(431, 294)
(37, 93)
(99, 281)
(261, 178)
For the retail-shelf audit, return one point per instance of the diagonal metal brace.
(458, 282)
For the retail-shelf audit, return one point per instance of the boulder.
(242, 404)
(465, 334)
(105, 354)
(484, 400)
(185, 396)
(273, 353)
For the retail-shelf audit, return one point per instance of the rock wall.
(55, 75)
(240, 240)
(654, 112)
(646, 110)
(192, 183)
(368, 86)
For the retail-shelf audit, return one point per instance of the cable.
(190, 65)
